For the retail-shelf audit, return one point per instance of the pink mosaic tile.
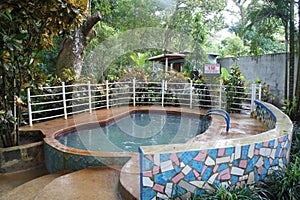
(259, 170)
(256, 152)
(281, 139)
(159, 188)
(204, 168)
(221, 151)
(243, 164)
(224, 175)
(155, 169)
(178, 177)
(266, 144)
(175, 159)
(271, 161)
(216, 168)
(149, 157)
(201, 156)
(279, 155)
(147, 173)
(196, 173)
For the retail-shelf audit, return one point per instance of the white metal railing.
(65, 100)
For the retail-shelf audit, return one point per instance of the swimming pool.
(138, 128)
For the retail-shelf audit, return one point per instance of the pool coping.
(278, 131)
(51, 129)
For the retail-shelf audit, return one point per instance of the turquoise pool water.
(134, 130)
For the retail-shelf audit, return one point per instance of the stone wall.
(183, 173)
(269, 68)
(21, 157)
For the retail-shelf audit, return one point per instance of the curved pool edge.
(59, 157)
(173, 170)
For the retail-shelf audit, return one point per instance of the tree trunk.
(73, 47)
(298, 71)
(292, 51)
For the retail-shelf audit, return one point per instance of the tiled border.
(186, 171)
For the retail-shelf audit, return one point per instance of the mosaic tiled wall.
(57, 160)
(171, 175)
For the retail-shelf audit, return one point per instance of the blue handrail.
(220, 112)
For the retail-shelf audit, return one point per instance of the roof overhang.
(163, 57)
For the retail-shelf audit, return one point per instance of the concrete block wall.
(269, 68)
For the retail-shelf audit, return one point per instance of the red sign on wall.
(212, 69)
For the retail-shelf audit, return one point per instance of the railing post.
(64, 99)
(253, 95)
(29, 106)
(220, 95)
(162, 93)
(107, 94)
(259, 92)
(191, 94)
(133, 90)
(90, 96)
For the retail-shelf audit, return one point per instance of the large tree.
(27, 27)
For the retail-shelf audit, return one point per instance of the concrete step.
(91, 183)
(29, 190)
(130, 179)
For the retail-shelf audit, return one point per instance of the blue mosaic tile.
(275, 162)
(148, 193)
(272, 143)
(251, 163)
(288, 145)
(164, 177)
(207, 174)
(147, 164)
(213, 153)
(258, 145)
(198, 166)
(178, 191)
(284, 161)
(164, 157)
(256, 176)
(277, 151)
(283, 152)
(190, 176)
(186, 157)
(264, 174)
(199, 192)
(245, 151)
(229, 151)
(285, 137)
(267, 163)
(177, 169)
(217, 183)
(235, 163)
(234, 179)
(222, 167)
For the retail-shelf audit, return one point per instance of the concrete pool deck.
(241, 126)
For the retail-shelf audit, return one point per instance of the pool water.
(134, 130)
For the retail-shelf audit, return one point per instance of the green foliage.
(8, 132)
(26, 28)
(265, 89)
(285, 183)
(246, 192)
(234, 88)
(290, 108)
(233, 46)
(140, 60)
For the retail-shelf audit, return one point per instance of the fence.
(65, 100)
